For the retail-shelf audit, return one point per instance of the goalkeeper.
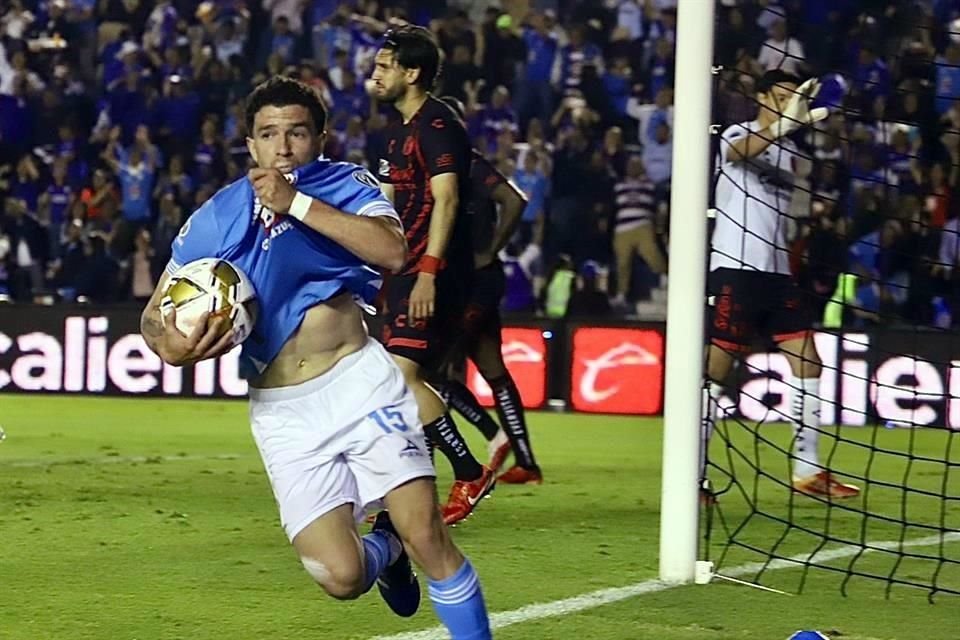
(751, 291)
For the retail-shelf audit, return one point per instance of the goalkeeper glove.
(798, 113)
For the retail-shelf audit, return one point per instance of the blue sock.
(459, 604)
(376, 556)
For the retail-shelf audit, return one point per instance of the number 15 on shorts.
(390, 420)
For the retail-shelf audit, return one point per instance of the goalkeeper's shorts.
(749, 306)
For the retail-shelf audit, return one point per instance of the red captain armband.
(430, 264)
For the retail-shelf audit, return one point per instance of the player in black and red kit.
(495, 208)
(425, 170)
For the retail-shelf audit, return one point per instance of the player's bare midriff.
(330, 331)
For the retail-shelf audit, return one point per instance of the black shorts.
(426, 342)
(482, 314)
(750, 305)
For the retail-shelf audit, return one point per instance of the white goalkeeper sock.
(805, 414)
(708, 414)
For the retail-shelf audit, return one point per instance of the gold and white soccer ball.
(215, 286)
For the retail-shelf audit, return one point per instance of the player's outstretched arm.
(173, 347)
(377, 240)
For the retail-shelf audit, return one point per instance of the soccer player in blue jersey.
(335, 424)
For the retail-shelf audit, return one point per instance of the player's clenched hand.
(207, 340)
(275, 192)
(423, 297)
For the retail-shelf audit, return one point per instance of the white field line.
(47, 462)
(607, 596)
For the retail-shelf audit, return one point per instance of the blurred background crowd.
(117, 117)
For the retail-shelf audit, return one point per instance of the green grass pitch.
(152, 519)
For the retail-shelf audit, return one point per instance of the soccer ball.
(808, 635)
(215, 286)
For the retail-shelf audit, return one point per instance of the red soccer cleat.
(499, 449)
(518, 475)
(824, 484)
(464, 496)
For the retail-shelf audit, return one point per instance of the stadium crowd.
(118, 116)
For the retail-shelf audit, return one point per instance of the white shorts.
(348, 436)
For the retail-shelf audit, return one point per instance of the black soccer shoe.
(397, 583)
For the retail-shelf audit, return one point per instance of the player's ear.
(412, 75)
(253, 150)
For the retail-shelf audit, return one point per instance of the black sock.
(462, 399)
(444, 435)
(510, 410)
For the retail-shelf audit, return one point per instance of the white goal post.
(679, 505)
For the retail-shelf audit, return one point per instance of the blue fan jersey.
(291, 266)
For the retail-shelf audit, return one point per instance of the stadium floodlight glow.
(684, 359)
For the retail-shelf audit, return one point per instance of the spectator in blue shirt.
(658, 155)
(179, 112)
(948, 78)
(871, 78)
(284, 41)
(16, 120)
(347, 101)
(57, 198)
(498, 117)
(573, 58)
(332, 37)
(25, 185)
(135, 172)
(535, 186)
(127, 104)
(533, 90)
(659, 72)
(618, 81)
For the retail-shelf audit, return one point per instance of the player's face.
(775, 100)
(284, 138)
(390, 80)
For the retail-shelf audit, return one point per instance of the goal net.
(835, 453)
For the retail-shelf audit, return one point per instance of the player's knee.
(343, 581)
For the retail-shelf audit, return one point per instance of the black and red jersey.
(484, 178)
(432, 143)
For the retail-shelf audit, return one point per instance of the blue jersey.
(291, 266)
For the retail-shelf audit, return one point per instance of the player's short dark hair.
(281, 91)
(775, 77)
(415, 48)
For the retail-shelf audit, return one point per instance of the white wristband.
(300, 206)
